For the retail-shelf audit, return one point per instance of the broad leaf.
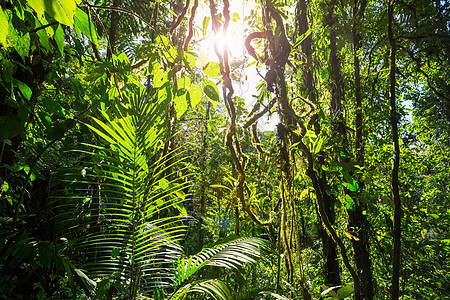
(61, 10)
(195, 94)
(85, 26)
(212, 69)
(4, 27)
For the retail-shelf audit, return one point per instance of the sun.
(233, 39)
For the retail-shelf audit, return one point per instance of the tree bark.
(329, 246)
(113, 28)
(356, 220)
(301, 23)
(396, 158)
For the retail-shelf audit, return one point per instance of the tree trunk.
(301, 23)
(329, 246)
(356, 219)
(113, 28)
(396, 159)
(332, 270)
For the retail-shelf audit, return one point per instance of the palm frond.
(231, 255)
(235, 254)
(116, 206)
(215, 288)
(274, 295)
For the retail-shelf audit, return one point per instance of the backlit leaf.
(84, 25)
(195, 94)
(205, 25)
(43, 39)
(3, 27)
(61, 10)
(236, 17)
(59, 39)
(220, 186)
(212, 69)
(202, 59)
(181, 105)
(163, 183)
(183, 82)
(190, 59)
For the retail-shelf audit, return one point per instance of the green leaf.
(181, 105)
(220, 186)
(85, 26)
(236, 17)
(163, 183)
(302, 38)
(52, 106)
(68, 268)
(24, 89)
(324, 74)
(43, 39)
(205, 25)
(351, 186)
(183, 82)
(103, 288)
(59, 39)
(212, 69)
(190, 59)
(319, 143)
(434, 216)
(211, 91)
(46, 120)
(195, 94)
(20, 43)
(124, 162)
(4, 187)
(345, 291)
(86, 283)
(217, 289)
(3, 27)
(61, 10)
(6, 70)
(350, 204)
(23, 112)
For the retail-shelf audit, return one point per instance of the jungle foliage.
(134, 165)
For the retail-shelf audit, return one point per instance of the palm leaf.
(117, 202)
(217, 289)
(235, 254)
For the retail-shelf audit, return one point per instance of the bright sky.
(235, 40)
